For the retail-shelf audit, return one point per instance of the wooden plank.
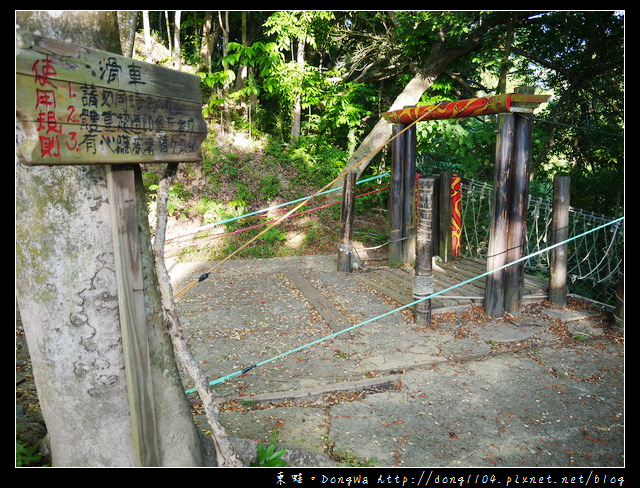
(443, 282)
(133, 323)
(396, 283)
(400, 276)
(470, 267)
(334, 319)
(84, 106)
(374, 281)
(532, 284)
(460, 271)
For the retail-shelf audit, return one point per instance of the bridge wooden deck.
(396, 283)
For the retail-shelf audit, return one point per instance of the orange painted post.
(456, 215)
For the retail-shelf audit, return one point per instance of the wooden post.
(559, 233)
(133, 324)
(345, 245)
(618, 314)
(444, 216)
(409, 196)
(423, 280)
(395, 198)
(497, 252)
(518, 202)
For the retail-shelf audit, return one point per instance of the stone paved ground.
(545, 388)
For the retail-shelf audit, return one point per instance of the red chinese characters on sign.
(48, 128)
(83, 117)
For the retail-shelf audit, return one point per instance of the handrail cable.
(342, 174)
(403, 307)
(264, 210)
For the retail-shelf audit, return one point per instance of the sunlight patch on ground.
(295, 239)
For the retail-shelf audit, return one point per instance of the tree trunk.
(177, 62)
(206, 44)
(439, 59)
(147, 30)
(224, 25)
(381, 132)
(296, 110)
(127, 22)
(168, 22)
(67, 297)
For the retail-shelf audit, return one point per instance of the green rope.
(335, 334)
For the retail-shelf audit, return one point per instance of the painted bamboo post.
(423, 280)
(444, 216)
(455, 201)
(409, 196)
(559, 233)
(395, 197)
(497, 251)
(345, 245)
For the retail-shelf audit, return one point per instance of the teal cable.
(262, 210)
(335, 334)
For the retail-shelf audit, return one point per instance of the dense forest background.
(289, 96)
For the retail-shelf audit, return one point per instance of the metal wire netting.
(594, 260)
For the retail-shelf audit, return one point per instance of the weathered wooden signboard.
(84, 106)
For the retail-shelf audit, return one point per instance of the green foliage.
(317, 161)
(357, 62)
(269, 457)
(289, 26)
(177, 203)
(26, 455)
(270, 186)
(462, 146)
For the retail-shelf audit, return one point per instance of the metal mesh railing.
(594, 260)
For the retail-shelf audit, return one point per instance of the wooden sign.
(84, 106)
